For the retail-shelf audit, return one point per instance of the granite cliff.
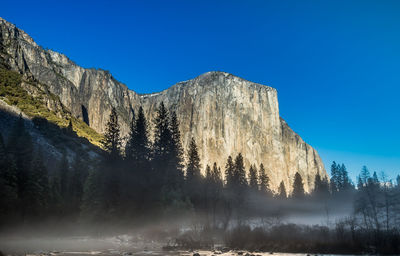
(226, 114)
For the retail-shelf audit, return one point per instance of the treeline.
(148, 176)
(145, 176)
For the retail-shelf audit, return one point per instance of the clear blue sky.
(335, 64)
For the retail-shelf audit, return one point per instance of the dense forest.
(156, 178)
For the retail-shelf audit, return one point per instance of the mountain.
(224, 113)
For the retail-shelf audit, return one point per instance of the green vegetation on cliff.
(14, 91)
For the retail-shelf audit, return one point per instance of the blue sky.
(335, 64)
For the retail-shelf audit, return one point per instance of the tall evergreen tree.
(176, 159)
(282, 191)
(253, 178)
(162, 153)
(112, 139)
(321, 187)
(137, 147)
(215, 191)
(335, 178)
(239, 187)
(264, 180)
(193, 175)
(229, 172)
(110, 169)
(162, 136)
(298, 186)
(239, 175)
(216, 175)
(193, 166)
(346, 183)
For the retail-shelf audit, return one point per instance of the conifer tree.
(162, 153)
(282, 191)
(110, 169)
(229, 172)
(162, 136)
(193, 175)
(335, 178)
(264, 180)
(216, 175)
(193, 165)
(321, 187)
(176, 159)
(138, 148)
(112, 140)
(298, 186)
(346, 183)
(130, 141)
(239, 172)
(215, 191)
(253, 178)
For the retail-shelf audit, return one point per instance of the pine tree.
(364, 176)
(264, 180)
(229, 172)
(239, 172)
(137, 148)
(253, 178)
(110, 169)
(298, 186)
(239, 188)
(321, 187)
(215, 191)
(162, 136)
(216, 175)
(346, 183)
(335, 178)
(130, 143)
(193, 165)
(193, 175)
(282, 191)
(162, 184)
(112, 140)
(340, 181)
(176, 159)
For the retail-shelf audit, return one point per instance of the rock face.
(224, 113)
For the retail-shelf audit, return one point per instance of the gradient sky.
(335, 64)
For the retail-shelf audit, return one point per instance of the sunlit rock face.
(224, 113)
